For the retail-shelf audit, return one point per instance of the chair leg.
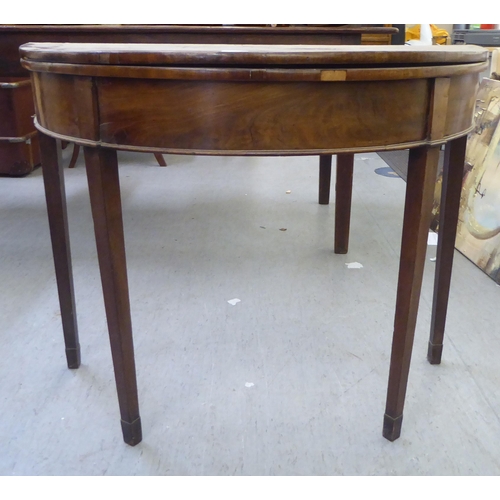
(104, 188)
(161, 161)
(74, 156)
(454, 161)
(422, 168)
(53, 178)
(343, 196)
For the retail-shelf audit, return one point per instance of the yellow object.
(439, 35)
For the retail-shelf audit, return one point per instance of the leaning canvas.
(478, 232)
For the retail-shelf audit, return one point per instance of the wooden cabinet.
(18, 137)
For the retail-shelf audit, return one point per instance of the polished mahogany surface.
(14, 35)
(250, 99)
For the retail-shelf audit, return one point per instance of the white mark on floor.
(354, 265)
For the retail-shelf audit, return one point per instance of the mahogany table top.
(265, 55)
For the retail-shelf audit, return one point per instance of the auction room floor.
(291, 380)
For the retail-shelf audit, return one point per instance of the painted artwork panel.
(478, 232)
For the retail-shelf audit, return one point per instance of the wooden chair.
(76, 151)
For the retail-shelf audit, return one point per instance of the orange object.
(487, 26)
(439, 35)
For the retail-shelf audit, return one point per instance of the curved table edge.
(284, 152)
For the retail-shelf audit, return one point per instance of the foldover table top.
(145, 54)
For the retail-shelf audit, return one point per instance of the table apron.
(254, 118)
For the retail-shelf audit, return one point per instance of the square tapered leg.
(422, 168)
(453, 170)
(105, 200)
(55, 195)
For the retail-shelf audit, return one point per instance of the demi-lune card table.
(256, 100)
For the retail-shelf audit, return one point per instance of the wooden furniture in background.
(19, 152)
(377, 38)
(267, 100)
(76, 152)
(12, 36)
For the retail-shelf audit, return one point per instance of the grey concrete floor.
(289, 381)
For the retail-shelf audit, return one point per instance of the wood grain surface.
(265, 55)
